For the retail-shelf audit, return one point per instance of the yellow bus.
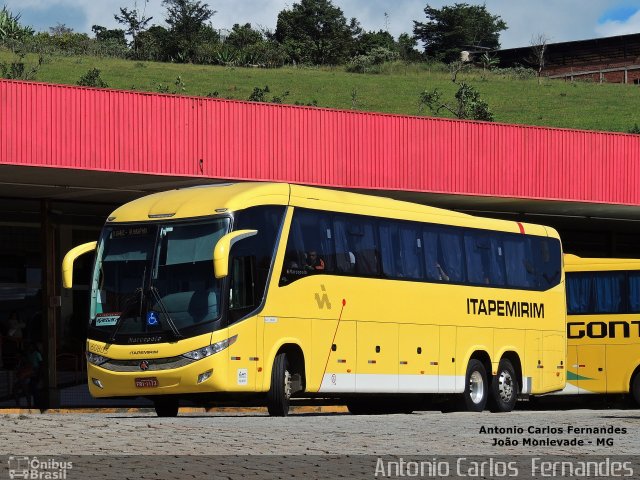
(603, 326)
(267, 291)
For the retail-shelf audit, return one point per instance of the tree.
(104, 34)
(468, 103)
(242, 36)
(316, 31)
(135, 23)
(155, 44)
(367, 41)
(10, 27)
(451, 29)
(187, 24)
(60, 29)
(539, 52)
(407, 47)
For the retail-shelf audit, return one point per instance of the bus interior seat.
(190, 307)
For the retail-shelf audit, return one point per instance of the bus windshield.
(154, 278)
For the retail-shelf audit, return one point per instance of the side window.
(546, 261)
(251, 258)
(579, 293)
(485, 258)
(310, 247)
(362, 253)
(390, 248)
(443, 254)
(518, 264)
(609, 291)
(634, 291)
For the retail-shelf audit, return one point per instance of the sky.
(557, 20)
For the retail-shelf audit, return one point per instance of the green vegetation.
(512, 96)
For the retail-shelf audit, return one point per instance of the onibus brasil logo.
(23, 467)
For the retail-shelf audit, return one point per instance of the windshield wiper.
(127, 309)
(163, 308)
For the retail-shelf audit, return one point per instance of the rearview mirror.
(222, 249)
(69, 260)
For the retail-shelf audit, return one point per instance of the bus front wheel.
(166, 406)
(280, 390)
(504, 388)
(476, 387)
(635, 389)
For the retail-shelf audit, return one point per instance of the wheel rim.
(505, 386)
(287, 384)
(476, 387)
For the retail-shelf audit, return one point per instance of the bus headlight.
(96, 359)
(210, 349)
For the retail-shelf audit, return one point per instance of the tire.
(476, 390)
(280, 390)
(635, 389)
(504, 388)
(166, 406)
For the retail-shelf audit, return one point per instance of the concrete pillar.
(50, 303)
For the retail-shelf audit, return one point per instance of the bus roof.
(214, 199)
(573, 263)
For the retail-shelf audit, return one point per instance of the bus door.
(591, 369)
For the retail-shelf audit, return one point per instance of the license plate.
(148, 382)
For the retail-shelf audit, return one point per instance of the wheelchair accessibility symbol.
(152, 318)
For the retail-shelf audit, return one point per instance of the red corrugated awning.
(44, 125)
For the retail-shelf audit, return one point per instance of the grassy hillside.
(556, 103)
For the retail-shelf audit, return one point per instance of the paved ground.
(252, 432)
(313, 445)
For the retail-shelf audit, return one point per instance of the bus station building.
(70, 155)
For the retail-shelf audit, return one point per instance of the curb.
(230, 410)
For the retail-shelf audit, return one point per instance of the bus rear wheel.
(280, 391)
(476, 387)
(166, 406)
(504, 388)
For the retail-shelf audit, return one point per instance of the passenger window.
(579, 293)
(634, 292)
(546, 261)
(485, 258)
(361, 241)
(390, 248)
(609, 290)
(517, 255)
(443, 254)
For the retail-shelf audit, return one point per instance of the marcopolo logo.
(23, 467)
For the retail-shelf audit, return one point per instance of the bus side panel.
(334, 368)
(571, 387)
(242, 355)
(506, 340)
(419, 348)
(554, 358)
(533, 362)
(470, 340)
(592, 372)
(279, 331)
(377, 352)
(622, 360)
(449, 365)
